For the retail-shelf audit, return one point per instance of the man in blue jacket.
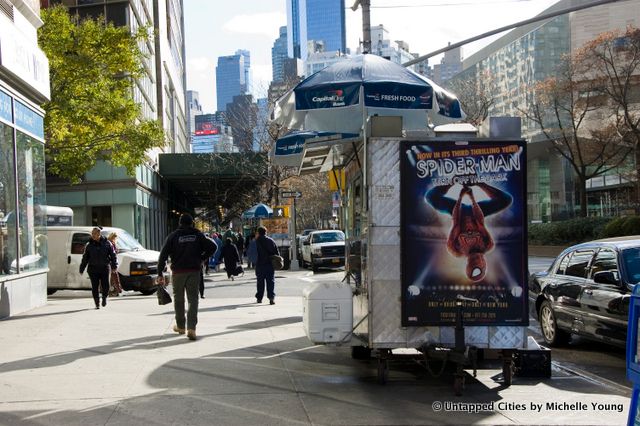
(188, 248)
(99, 255)
(265, 273)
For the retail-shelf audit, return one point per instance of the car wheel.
(552, 335)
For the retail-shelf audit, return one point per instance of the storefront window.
(8, 241)
(31, 192)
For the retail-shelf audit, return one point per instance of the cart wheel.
(360, 352)
(507, 372)
(458, 384)
(383, 371)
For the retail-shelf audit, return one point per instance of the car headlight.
(317, 251)
(139, 268)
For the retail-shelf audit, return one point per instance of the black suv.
(586, 291)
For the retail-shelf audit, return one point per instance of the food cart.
(436, 245)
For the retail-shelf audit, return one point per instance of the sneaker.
(202, 296)
(178, 329)
(272, 302)
(191, 334)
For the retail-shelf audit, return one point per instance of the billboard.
(206, 125)
(463, 232)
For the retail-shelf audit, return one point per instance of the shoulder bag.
(277, 261)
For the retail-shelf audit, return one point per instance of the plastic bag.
(164, 297)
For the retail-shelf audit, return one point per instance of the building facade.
(193, 108)
(526, 56)
(233, 75)
(449, 66)
(279, 56)
(107, 195)
(318, 20)
(24, 86)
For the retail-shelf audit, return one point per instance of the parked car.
(586, 291)
(137, 266)
(284, 245)
(324, 248)
(299, 239)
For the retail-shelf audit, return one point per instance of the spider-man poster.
(464, 232)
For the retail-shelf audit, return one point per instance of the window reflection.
(8, 241)
(31, 193)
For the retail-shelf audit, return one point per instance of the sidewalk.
(69, 364)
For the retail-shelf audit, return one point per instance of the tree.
(566, 109)
(476, 95)
(612, 62)
(92, 114)
(314, 208)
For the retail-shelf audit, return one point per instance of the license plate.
(335, 260)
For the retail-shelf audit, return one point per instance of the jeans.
(265, 274)
(186, 282)
(99, 279)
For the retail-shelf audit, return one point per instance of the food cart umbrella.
(337, 97)
(257, 211)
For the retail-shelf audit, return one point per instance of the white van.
(137, 266)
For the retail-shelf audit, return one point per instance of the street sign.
(291, 194)
(281, 211)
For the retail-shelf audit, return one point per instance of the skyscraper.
(279, 55)
(233, 77)
(193, 108)
(317, 20)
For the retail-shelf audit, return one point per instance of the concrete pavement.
(69, 364)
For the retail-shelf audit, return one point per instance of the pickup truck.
(284, 247)
(324, 248)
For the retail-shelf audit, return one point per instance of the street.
(597, 361)
(67, 363)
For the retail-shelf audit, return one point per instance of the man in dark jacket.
(264, 269)
(99, 255)
(188, 248)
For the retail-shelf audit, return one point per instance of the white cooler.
(327, 312)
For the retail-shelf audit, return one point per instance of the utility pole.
(366, 23)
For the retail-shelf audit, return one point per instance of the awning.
(324, 154)
(287, 150)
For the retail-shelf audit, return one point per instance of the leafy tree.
(92, 114)
(567, 109)
(612, 62)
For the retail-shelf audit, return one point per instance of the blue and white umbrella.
(258, 211)
(338, 97)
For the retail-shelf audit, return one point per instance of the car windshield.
(280, 236)
(125, 241)
(631, 259)
(327, 237)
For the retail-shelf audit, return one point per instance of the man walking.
(264, 269)
(99, 255)
(188, 248)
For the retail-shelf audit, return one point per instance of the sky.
(216, 28)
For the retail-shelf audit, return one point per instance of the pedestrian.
(240, 245)
(115, 288)
(252, 251)
(265, 273)
(98, 256)
(231, 258)
(188, 248)
(218, 253)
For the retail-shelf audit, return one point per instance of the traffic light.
(281, 211)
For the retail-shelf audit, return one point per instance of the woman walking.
(231, 258)
(115, 289)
